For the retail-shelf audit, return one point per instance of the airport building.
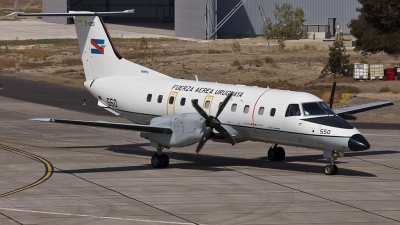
(210, 19)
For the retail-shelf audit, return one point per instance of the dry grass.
(71, 62)
(308, 47)
(236, 63)
(305, 47)
(268, 59)
(275, 65)
(7, 63)
(33, 65)
(36, 53)
(217, 51)
(133, 55)
(292, 49)
(64, 71)
(395, 91)
(258, 62)
(384, 89)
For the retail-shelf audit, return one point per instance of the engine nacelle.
(187, 129)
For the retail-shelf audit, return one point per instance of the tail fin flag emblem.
(99, 46)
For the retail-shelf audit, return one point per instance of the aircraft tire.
(273, 154)
(335, 170)
(156, 161)
(165, 159)
(329, 170)
(281, 153)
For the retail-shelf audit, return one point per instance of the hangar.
(211, 19)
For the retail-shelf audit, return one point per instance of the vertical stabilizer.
(99, 55)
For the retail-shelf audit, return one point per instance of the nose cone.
(358, 142)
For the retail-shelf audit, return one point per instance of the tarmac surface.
(66, 174)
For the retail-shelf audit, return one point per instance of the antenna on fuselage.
(197, 79)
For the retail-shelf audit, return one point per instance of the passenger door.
(208, 103)
(171, 102)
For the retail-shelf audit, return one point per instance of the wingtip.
(42, 119)
(129, 11)
(13, 14)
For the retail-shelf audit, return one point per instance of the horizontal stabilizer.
(362, 108)
(124, 126)
(73, 13)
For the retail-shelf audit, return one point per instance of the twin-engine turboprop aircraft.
(176, 113)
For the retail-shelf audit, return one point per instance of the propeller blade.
(227, 136)
(204, 138)
(332, 94)
(226, 100)
(200, 110)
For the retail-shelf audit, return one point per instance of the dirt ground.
(213, 61)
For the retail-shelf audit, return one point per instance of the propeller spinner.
(213, 123)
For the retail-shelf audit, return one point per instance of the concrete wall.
(190, 18)
(248, 21)
(54, 6)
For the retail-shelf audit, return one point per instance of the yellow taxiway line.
(47, 174)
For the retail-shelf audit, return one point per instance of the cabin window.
(293, 110)
(148, 97)
(246, 109)
(233, 107)
(261, 111)
(159, 99)
(183, 100)
(207, 104)
(272, 112)
(171, 100)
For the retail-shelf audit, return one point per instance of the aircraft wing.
(124, 126)
(362, 108)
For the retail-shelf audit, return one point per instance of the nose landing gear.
(331, 169)
(331, 156)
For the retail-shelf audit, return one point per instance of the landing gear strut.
(276, 153)
(331, 156)
(159, 159)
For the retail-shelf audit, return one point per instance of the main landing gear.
(159, 159)
(331, 156)
(276, 153)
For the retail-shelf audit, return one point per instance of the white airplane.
(173, 112)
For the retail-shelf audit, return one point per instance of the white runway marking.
(96, 217)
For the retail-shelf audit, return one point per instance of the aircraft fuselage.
(253, 113)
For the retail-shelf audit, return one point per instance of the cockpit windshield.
(317, 108)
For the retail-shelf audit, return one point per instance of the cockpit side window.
(316, 108)
(293, 110)
(326, 108)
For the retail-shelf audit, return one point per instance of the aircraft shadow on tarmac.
(189, 161)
